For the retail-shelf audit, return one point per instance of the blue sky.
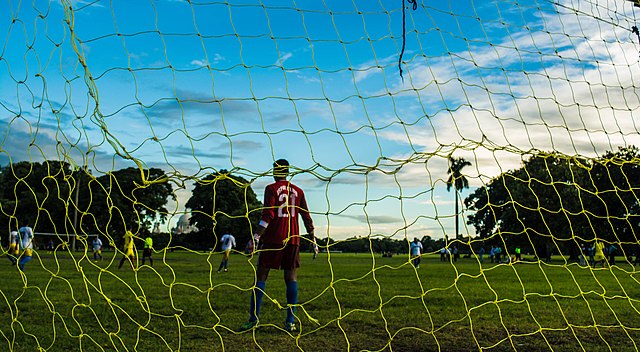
(203, 86)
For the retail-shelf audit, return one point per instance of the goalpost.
(468, 125)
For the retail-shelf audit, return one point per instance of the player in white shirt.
(416, 252)
(26, 244)
(228, 242)
(97, 248)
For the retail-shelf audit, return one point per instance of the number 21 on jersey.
(287, 205)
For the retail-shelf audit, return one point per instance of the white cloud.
(217, 58)
(579, 100)
(198, 62)
(283, 57)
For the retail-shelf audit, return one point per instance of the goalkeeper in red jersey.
(278, 235)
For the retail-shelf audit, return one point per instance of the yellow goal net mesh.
(470, 167)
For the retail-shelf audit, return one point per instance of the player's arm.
(306, 217)
(259, 232)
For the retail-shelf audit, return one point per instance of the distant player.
(14, 247)
(416, 252)
(599, 257)
(497, 252)
(228, 242)
(591, 252)
(582, 258)
(50, 245)
(456, 253)
(612, 254)
(26, 244)
(148, 249)
(278, 234)
(97, 248)
(128, 249)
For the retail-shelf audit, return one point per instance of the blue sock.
(23, 261)
(256, 300)
(292, 298)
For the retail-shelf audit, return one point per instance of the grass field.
(358, 302)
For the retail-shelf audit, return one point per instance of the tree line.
(555, 202)
(551, 201)
(55, 197)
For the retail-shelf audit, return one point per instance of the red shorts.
(273, 256)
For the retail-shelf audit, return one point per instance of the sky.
(196, 87)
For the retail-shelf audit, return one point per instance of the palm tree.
(457, 180)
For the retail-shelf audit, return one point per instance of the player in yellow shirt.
(599, 254)
(128, 249)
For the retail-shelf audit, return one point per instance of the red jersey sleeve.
(304, 212)
(268, 212)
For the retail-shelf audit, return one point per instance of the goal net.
(500, 135)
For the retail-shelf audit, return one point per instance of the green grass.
(350, 302)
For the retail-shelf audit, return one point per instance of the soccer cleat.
(248, 326)
(225, 270)
(290, 327)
